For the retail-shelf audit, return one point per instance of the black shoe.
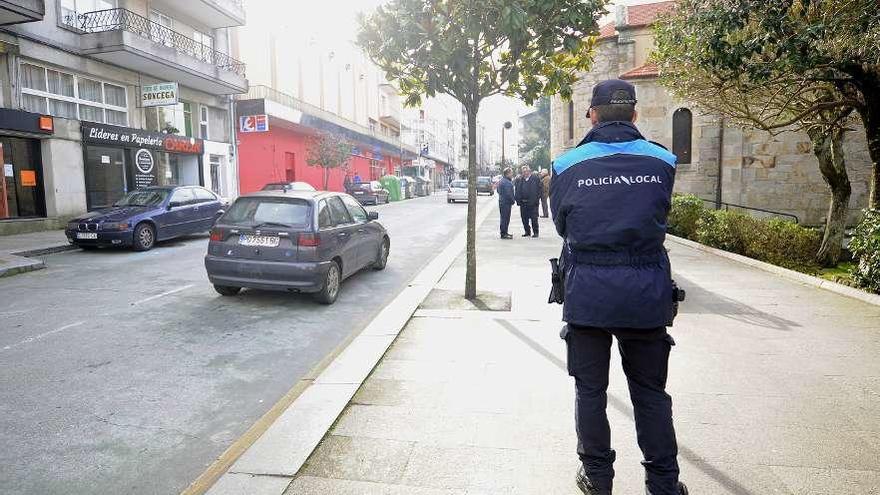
(506, 236)
(586, 486)
(527, 235)
(682, 489)
(535, 235)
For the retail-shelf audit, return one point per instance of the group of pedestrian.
(528, 191)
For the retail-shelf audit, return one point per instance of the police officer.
(506, 201)
(610, 197)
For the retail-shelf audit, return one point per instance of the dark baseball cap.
(613, 92)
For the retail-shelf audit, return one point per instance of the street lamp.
(507, 125)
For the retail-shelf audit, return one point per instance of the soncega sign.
(159, 95)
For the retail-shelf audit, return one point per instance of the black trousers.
(505, 217)
(529, 213)
(645, 356)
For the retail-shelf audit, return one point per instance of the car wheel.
(449, 201)
(225, 290)
(144, 237)
(382, 256)
(330, 291)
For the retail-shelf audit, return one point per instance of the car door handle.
(342, 234)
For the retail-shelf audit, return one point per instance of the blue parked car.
(145, 216)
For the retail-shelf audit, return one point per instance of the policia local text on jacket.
(610, 197)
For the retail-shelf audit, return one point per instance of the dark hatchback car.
(484, 185)
(369, 193)
(145, 216)
(295, 241)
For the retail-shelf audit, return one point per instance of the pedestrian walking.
(545, 192)
(528, 195)
(506, 201)
(610, 197)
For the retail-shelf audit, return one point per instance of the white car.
(458, 191)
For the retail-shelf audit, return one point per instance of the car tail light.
(216, 235)
(309, 240)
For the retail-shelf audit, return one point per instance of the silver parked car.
(296, 241)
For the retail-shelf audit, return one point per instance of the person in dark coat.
(610, 197)
(506, 201)
(528, 197)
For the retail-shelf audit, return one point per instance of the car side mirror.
(220, 213)
(372, 215)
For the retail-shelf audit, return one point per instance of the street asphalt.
(125, 372)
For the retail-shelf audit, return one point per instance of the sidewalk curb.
(61, 248)
(14, 265)
(269, 465)
(803, 278)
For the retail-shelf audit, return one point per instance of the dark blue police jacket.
(610, 197)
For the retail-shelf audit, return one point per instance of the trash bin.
(392, 185)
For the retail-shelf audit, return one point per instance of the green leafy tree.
(328, 151)
(473, 49)
(813, 44)
(534, 146)
(781, 102)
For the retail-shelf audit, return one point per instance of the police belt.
(612, 258)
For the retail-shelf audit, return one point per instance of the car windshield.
(253, 212)
(483, 180)
(459, 184)
(148, 197)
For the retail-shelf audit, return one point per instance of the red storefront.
(279, 154)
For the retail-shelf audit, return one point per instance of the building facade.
(305, 81)
(79, 68)
(434, 128)
(757, 169)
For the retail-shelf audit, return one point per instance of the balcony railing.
(125, 20)
(260, 92)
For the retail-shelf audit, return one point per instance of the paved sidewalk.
(17, 252)
(776, 388)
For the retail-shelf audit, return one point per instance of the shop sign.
(127, 137)
(8, 171)
(28, 178)
(159, 95)
(145, 169)
(254, 123)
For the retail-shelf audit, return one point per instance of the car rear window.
(459, 184)
(483, 180)
(254, 211)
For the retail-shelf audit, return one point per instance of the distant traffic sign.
(254, 123)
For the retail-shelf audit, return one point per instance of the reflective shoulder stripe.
(595, 149)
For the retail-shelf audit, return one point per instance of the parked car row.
(287, 237)
(458, 189)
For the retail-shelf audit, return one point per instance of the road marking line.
(43, 335)
(157, 296)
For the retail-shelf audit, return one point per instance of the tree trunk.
(470, 279)
(868, 84)
(828, 147)
(326, 178)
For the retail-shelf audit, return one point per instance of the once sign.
(159, 95)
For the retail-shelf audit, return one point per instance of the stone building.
(79, 121)
(759, 170)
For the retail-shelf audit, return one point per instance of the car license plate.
(87, 235)
(259, 240)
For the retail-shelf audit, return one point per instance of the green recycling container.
(392, 184)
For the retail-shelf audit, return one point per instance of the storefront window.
(21, 188)
(105, 175)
